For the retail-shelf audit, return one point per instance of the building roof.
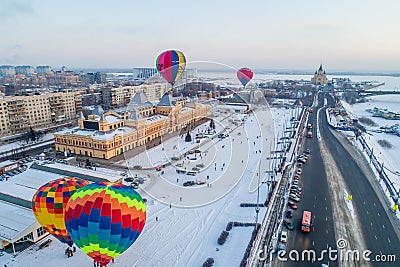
(97, 111)
(98, 135)
(139, 99)
(320, 67)
(112, 119)
(6, 163)
(14, 221)
(165, 101)
(155, 118)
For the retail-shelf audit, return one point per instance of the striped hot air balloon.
(104, 219)
(244, 75)
(171, 64)
(49, 202)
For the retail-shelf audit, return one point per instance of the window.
(40, 231)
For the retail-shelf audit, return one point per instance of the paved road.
(377, 229)
(315, 198)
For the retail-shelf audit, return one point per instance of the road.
(315, 198)
(378, 231)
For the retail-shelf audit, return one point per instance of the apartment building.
(39, 111)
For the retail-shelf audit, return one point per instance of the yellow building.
(108, 134)
(319, 77)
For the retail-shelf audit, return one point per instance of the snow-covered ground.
(186, 232)
(21, 145)
(389, 156)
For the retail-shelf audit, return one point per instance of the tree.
(188, 137)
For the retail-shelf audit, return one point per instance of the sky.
(357, 35)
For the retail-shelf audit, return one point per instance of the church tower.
(319, 77)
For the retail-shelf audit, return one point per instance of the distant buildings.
(43, 70)
(39, 111)
(108, 134)
(319, 77)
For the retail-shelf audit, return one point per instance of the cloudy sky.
(353, 35)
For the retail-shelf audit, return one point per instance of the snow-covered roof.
(112, 119)
(98, 135)
(155, 118)
(165, 101)
(14, 220)
(6, 163)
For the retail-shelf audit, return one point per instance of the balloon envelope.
(170, 64)
(49, 202)
(244, 75)
(104, 219)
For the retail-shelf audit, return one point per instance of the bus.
(306, 221)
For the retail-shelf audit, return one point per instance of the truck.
(309, 134)
(309, 126)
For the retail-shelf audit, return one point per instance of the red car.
(292, 205)
(159, 168)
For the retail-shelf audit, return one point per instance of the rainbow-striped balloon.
(49, 202)
(171, 64)
(104, 219)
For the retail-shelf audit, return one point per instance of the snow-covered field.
(186, 232)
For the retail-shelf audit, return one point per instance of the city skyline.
(352, 36)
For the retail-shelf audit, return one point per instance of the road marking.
(367, 212)
(379, 214)
(383, 226)
(314, 205)
(325, 199)
(326, 231)
(374, 204)
(371, 223)
(313, 243)
(326, 208)
(376, 237)
(388, 239)
(364, 202)
(326, 218)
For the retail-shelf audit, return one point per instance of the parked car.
(295, 198)
(200, 182)
(188, 183)
(135, 185)
(295, 182)
(158, 168)
(283, 236)
(129, 179)
(288, 224)
(289, 214)
(299, 171)
(292, 205)
(307, 151)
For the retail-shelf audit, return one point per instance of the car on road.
(200, 182)
(188, 183)
(294, 192)
(288, 224)
(128, 179)
(283, 236)
(292, 205)
(135, 185)
(299, 171)
(299, 164)
(158, 168)
(307, 151)
(289, 214)
(302, 160)
(295, 182)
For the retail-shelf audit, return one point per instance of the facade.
(319, 77)
(19, 113)
(109, 134)
(43, 70)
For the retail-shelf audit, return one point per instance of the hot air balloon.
(244, 75)
(49, 202)
(170, 64)
(104, 219)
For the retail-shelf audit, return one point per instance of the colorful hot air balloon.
(244, 75)
(104, 219)
(49, 202)
(170, 64)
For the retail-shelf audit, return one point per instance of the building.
(8, 166)
(39, 111)
(109, 134)
(319, 77)
(113, 97)
(26, 70)
(92, 77)
(43, 70)
(7, 71)
(143, 73)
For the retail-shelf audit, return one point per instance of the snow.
(186, 233)
(14, 220)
